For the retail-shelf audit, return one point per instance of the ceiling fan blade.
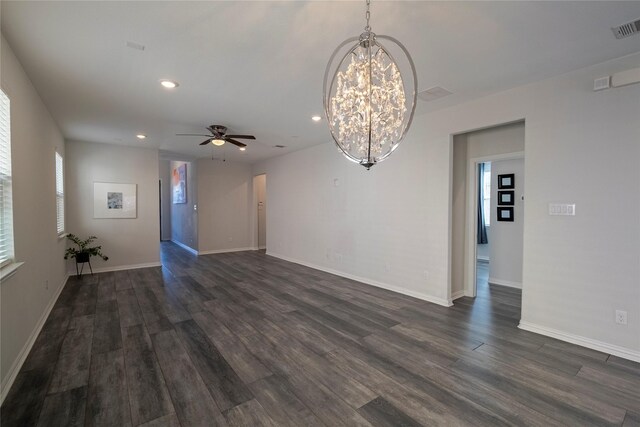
(206, 142)
(191, 134)
(241, 136)
(234, 142)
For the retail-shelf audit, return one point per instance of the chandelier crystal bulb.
(367, 105)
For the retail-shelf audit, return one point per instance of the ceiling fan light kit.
(367, 105)
(219, 137)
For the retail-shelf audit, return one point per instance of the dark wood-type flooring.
(244, 339)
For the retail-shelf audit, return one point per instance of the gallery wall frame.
(506, 198)
(114, 200)
(505, 214)
(506, 181)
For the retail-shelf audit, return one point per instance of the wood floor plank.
(128, 308)
(170, 420)
(107, 396)
(193, 404)
(24, 401)
(276, 396)
(224, 384)
(148, 394)
(72, 368)
(106, 334)
(64, 409)
(249, 413)
(382, 413)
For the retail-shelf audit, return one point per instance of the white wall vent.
(626, 30)
(433, 93)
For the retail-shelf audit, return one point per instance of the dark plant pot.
(82, 257)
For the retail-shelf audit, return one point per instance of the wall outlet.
(621, 317)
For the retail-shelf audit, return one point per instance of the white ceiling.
(257, 67)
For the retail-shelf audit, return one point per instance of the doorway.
(486, 249)
(260, 198)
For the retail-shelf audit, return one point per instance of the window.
(59, 194)
(486, 192)
(6, 208)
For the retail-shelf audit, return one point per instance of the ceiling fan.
(219, 137)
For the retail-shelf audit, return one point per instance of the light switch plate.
(564, 209)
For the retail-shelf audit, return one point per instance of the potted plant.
(83, 252)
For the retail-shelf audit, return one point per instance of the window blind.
(6, 208)
(59, 194)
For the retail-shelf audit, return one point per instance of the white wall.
(127, 242)
(225, 194)
(506, 241)
(391, 225)
(29, 294)
(184, 218)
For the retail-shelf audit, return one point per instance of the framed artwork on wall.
(506, 198)
(506, 181)
(505, 214)
(179, 183)
(113, 200)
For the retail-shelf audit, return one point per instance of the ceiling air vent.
(433, 93)
(279, 146)
(626, 30)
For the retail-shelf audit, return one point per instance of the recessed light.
(243, 148)
(141, 136)
(316, 118)
(169, 84)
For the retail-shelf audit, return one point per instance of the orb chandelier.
(368, 107)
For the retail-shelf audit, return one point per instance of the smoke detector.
(626, 30)
(433, 93)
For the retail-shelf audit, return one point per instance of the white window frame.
(7, 253)
(60, 219)
(486, 202)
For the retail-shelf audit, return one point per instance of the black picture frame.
(506, 181)
(506, 198)
(505, 214)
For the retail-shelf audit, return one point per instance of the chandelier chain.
(368, 16)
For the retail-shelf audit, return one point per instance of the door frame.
(255, 218)
(471, 218)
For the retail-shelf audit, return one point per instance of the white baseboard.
(8, 380)
(223, 251)
(507, 283)
(126, 267)
(185, 247)
(419, 295)
(457, 294)
(118, 268)
(262, 248)
(625, 353)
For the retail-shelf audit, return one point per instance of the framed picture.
(505, 214)
(179, 183)
(506, 181)
(112, 200)
(506, 198)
